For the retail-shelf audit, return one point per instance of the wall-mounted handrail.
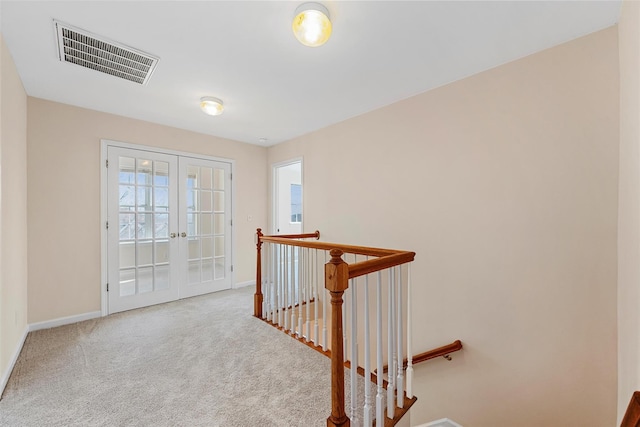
(443, 351)
(437, 352)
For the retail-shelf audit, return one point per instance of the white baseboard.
(47, 324)
(5, 375)
(445, 422)
(244, 284)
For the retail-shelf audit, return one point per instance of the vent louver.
(88, 50)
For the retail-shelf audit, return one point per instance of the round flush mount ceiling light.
(311, 24)
(211, 106)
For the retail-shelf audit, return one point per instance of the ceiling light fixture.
(311, 24)
(211, 106)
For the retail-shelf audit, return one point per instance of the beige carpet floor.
(202, 361)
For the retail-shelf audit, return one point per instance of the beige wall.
(505, 184)
(64, 199)
(629, 207)
(13, 210)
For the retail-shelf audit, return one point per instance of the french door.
(169, 234)
(205, 218)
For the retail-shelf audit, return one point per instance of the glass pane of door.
(143, 204)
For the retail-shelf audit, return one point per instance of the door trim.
(104, 268)
(274, 191)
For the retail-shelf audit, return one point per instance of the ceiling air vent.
(88, 50)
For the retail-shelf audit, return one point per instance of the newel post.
(257, 297)
(336, 281)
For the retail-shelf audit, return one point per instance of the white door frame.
(274, 191)
(104, 144)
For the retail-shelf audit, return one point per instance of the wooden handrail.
(443, 351)
(365, 267)
(632, 416)
(351, 249)
(437, 352)
(315, 234)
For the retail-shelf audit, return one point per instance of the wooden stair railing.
(632, 416)
(337, 276)
(258, 296)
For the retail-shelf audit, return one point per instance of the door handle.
(183, 234)
(172, 235)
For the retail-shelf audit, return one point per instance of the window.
(296, 203)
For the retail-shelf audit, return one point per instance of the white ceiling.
(273, 87)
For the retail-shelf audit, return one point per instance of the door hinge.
(230, 176)
(107, 163)
(107, 287)
(232, 268)
(231, 222)
(107, 225)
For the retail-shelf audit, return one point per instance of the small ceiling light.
(211, 106)
(311, 24)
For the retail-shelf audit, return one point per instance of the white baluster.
(400, 382)
(272, 299)
(355, 418)
(299, 287)
(281, 286)
(308, 271)
(292, 298)
(391, 401)
(316, 283)
(345, 325)
(345, 317)
(263, 254)
(302, 273)
(286, 287)
(409, 338)
(274, 281)
(368, 397)
(325, 300)
(379, 362)
(294, 289)
(304, 326)
(265, 281)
